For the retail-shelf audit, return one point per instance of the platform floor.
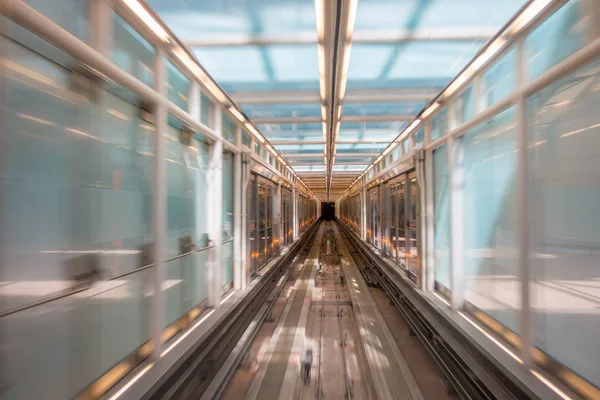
(361, 346)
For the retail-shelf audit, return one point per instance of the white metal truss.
(352, 95)
(350, 118)
(367, 36)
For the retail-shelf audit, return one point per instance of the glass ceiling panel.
(300, 148)
(354, 160)
(387, 108)
(281, 110)
(414, 14)
(264, 68)
(304, 161)
(381, 131)
(354, 168)
(199, 18)
(292, 131)
(309, 168)
(408, 65)
(360, 148)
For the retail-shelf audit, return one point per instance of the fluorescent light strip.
(321, 56)
(344, 75)
(319, 16)
(527, 15)
(430, 110)
(493, 339)
(227, 297)
(200, 74)
(550, 385)
(442, 299)
(131, 382)
(237, 114)
(147, 19)
(351, 19)
(196, 325)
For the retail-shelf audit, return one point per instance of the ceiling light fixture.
(351, 19)
(534, 8)
(237, 114)
(475, 65)
(147, 19)
(195, 69)
(345, 66)
(429, 110)
(320, 17)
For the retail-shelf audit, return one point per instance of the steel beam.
(350, 118)
(29, 18)
(239, 280)
(159, 203)
(352, 96)
(456, 173)
(338, 155)
(215, 212)
(358, 141)
(368, 36)
(523, 261)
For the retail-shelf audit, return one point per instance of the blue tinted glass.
(555, 39)
(500, 79)
(439, 124)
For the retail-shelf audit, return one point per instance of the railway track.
(207, 369)
(467, 372)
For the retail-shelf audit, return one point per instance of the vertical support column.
(101, 25)
(238, 267)
(159, 203)
(279, 203)
(215, 212)
(429, 223)
(295, 212)
(478, 90)
(363, 213)
(522, 212)
(591, 11)
(428, 217)
(457, 180)
(195, 99)
(422, 217)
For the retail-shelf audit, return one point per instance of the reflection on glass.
(489, 226)
(564, 190)
(441, 216)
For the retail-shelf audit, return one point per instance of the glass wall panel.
(419, 136)
(74, 211)
(253, 225)
(262, 225)
(489, 219)
(500, 79)
(178, 86)
(439, 124)
(228, 129)
(412, 201)
(73, 15)
(227, 196)
(187, 161)
(556, 38)
(564, 189)
(227, 263)
(245, 139)
(464, 106)
(132, 52)
(441, 202)
(206, 107)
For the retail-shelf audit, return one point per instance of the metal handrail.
(71, 292)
